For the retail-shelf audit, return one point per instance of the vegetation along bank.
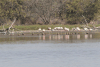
(44, 12)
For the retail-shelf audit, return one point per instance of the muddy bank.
(47, 32)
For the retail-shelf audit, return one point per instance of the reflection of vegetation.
(67, 38)
(15, 39)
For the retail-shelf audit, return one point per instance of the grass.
(36, 27)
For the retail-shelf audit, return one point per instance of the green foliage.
(69, 10)
(76, 8)
(12, 8)
(73, 11)
(90, 10)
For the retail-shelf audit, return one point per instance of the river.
(50, 51)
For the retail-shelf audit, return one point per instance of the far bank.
(36, 27)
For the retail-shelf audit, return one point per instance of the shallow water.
(50, 51)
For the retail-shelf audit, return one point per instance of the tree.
(77, 11)
(73, 12)
(90, 10)
(10, 9)
(45, 9)
(69, 11)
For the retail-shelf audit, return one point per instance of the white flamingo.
(43, 30)
(39, 29)
(67, 29)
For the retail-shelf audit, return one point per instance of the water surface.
(50, 51)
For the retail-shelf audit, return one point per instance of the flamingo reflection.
(90, 35)
(60, 37)
(43, 37)
(66, 37)
(78, 36)
(86, 36)
(49, 37)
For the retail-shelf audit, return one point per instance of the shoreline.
(49, 32)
